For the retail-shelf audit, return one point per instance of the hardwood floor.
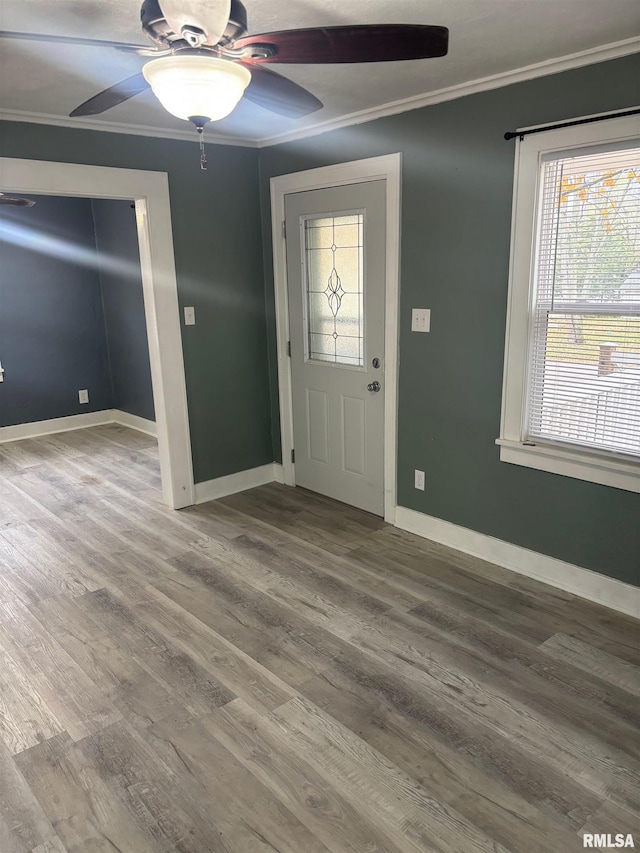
(277, 672)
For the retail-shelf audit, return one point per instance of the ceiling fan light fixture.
(190, 86)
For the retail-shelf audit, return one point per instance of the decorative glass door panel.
(334, 278)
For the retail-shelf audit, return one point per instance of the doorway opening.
(148, 192)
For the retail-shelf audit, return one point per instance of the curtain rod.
(511, 134)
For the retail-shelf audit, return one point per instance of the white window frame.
(609, 469)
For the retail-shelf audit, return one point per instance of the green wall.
(456, 211)
(218, 250)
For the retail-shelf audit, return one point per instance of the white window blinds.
(584, 361)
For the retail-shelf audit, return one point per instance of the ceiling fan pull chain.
(203, 156)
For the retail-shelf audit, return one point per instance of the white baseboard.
(134, 422)
(53, 425)
(210, 490)
(582, 582)
(90, 419)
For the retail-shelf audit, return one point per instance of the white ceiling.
(487, 37)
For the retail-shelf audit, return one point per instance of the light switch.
(189, 316)
(420, 319)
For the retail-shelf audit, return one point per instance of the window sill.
(593, 467)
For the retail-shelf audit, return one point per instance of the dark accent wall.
(52, 338)
(122, 298)
(218, 251)
(456, 213)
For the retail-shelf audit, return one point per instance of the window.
(571, 398)
(334, 268)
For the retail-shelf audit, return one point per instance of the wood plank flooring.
(278, 672)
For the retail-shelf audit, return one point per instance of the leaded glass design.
(333, 247)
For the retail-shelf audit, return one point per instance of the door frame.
(387, 168)
(150, 191)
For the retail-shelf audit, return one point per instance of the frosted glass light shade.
(190, 85)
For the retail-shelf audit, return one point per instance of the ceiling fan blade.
(363, 43)
(112, 96)
(210, 16)
(119, 45)
(279, 94)
(16, 202)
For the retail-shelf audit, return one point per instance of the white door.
(336, 274)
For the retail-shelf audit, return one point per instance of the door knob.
(374, 386)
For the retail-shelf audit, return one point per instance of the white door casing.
(388, 169)
(150, 191)
(335, 266)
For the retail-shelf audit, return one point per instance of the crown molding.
(594, 55)
(615, 50)
(116, 127)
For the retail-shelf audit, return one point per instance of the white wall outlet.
(420, 319)
(83, 396)
(418, 480)
(189, 316)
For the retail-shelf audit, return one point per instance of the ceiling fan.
(202, 62)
